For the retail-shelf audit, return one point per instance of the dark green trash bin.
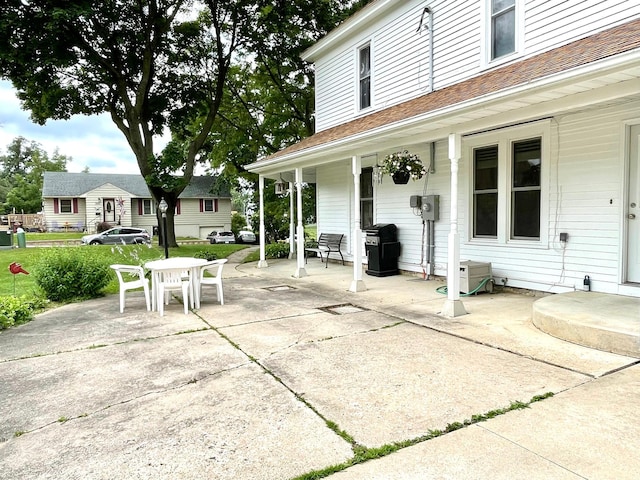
(6, 239)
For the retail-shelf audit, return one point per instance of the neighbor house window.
(508, 185)
(503, 28)
(208, 205)
(366, 197)
(147, 206)
(65, 205)
(364, 55)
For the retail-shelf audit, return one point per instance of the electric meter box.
(472, 274)
(430, 207)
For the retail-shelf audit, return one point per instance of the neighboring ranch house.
(80, 201)
(527, 115)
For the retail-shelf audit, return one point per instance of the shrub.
(102, 227)
(276, 250)
(68, 273)
(208, 256)
(16, 310)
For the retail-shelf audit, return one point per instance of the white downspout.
(453, 306)
(300, 270)
(357, 284)
(262, 263)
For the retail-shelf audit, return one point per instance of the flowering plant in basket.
(404, 162)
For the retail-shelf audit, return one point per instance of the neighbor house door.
(632, 210)
(109, 210)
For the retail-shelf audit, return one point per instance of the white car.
(246, 236)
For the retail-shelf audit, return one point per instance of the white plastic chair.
(215, 268)
(140, 282)
(171, 280)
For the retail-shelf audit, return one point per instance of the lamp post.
(163, 209)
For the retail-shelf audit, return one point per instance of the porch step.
(602, 321)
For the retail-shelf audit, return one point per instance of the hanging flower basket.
(403, 166)
(401, 177)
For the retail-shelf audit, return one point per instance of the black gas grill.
(383, 249)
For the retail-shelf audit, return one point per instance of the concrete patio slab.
(236, 424)
(400, 382)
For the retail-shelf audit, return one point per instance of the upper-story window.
(503, 28)
(364, 61)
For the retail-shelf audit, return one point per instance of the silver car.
(118, 235)
(246, 236)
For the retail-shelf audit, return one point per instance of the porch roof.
(608, 59)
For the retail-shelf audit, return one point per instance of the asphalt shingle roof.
(596, 47)
(66, 184)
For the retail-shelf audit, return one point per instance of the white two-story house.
(526, 114)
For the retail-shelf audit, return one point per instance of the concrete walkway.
(291, 376)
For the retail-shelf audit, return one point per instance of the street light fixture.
(163, 209)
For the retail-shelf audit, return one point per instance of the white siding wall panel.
(334, 199)
(335, 90)
(556, 22)
(585, 201)
(400, 53)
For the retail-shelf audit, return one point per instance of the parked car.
(246, 236)
(221, 237)
(118, 235)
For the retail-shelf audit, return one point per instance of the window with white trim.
(503, 28)
(65, 205)
(507, 185)
(147, 206)
(209, 205)
(366, 197)
(364, 76)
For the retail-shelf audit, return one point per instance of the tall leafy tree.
(21, 169)
(270, 101)
(152, 65)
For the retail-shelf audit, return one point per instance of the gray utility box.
(472, 274)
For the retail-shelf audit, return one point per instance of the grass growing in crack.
(363, 454)
(18, 433)
(63, 419)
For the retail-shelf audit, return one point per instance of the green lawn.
(129, 254)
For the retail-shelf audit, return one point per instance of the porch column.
(453, 306)
(357, 284)
(262, 263)
(292, 225)
(300, 270)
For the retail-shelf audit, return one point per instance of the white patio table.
(190, 264)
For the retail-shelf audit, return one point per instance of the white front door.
(632, 210)
(109, 210)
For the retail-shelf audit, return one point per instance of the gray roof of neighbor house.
(65, 184)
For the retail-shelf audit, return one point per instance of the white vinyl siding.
(584, 199)
(193, 223)
(400, 53)
(334, 193)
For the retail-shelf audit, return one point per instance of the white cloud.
(92, 141)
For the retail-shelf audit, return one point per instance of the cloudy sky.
(93, 142)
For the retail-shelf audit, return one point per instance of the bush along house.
(525, 119)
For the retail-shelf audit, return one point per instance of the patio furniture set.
(183, 274)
